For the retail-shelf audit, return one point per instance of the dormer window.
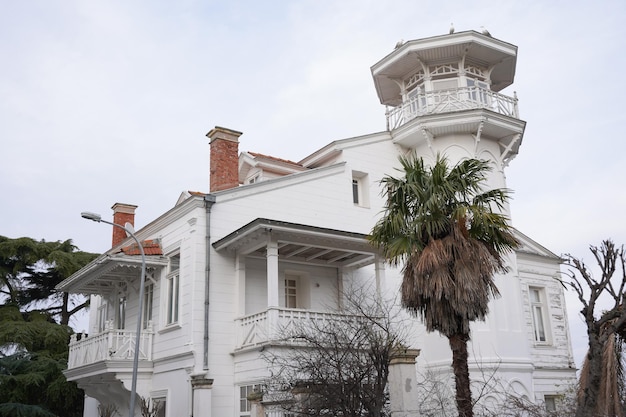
(256, 178)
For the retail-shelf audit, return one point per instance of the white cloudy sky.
(104, 102)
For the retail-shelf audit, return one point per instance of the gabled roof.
(150, 247)
(530, 247)
(273, 158)
(187, 194)
(329, 153)
(249, 160)
(113, 269)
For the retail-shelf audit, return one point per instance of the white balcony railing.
(111, 344)
(446, 101)
(274, 323)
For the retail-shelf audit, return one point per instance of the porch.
(286, 271)
(451, 100)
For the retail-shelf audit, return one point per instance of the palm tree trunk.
(458, 344)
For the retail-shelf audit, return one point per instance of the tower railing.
(451, 100)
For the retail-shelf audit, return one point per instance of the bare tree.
(604, 314)
(150, 407)
(339, 366)
(492, 395)
(516, 406)
(108, 410)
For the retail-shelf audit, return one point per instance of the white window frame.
(172, 287)
(120, 312)
(445, 84)
(360, 189)
(161, 397)
(539, 315)
(551, 402)
(355, 191)
(147, 305)
(416, 98)
(292, 282)
(478, 91)
(244, 404)
(102, 315)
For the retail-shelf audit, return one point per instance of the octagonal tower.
(443, 96)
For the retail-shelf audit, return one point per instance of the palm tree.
(442, 226)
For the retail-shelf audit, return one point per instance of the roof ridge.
(255, 154)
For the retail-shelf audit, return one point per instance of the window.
(360, 189)
(162, 405)
(120, 317)
(538, 312)
(445, 92)
(550, 402)
(446, 84)
(355, 191)
(244, 404)
(417, 98)
(478, 91)
(159, 403)
(291, 285)
(255, 179)
(102, 316)
(148, 295)
(173, 284)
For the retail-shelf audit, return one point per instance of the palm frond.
(451, 236)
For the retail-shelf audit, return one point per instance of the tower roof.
(470, 47)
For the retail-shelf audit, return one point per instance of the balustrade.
(275, 323)
(111, 344)
(446, 101)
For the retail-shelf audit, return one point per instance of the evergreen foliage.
(33, 355)
(30, 270)
(34, 332)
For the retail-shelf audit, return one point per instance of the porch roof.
(300, 243)
(108, 272)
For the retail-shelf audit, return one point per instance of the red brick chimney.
(224, 160)
(122, 214)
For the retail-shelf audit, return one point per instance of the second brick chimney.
(224, 159)
(122, 214)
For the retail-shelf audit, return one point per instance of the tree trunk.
(458, 344)
(65, 316)
(590, 383)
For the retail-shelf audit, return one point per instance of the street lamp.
(98, 218)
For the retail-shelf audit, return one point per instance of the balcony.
(273, 324)
(452, 100)
(110, 345)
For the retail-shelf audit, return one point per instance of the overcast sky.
(110, 101)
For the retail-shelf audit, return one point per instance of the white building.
(274, 240)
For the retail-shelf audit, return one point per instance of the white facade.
(233, 264)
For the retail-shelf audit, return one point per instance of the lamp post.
(133, 391)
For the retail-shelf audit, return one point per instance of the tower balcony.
(451, 100)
